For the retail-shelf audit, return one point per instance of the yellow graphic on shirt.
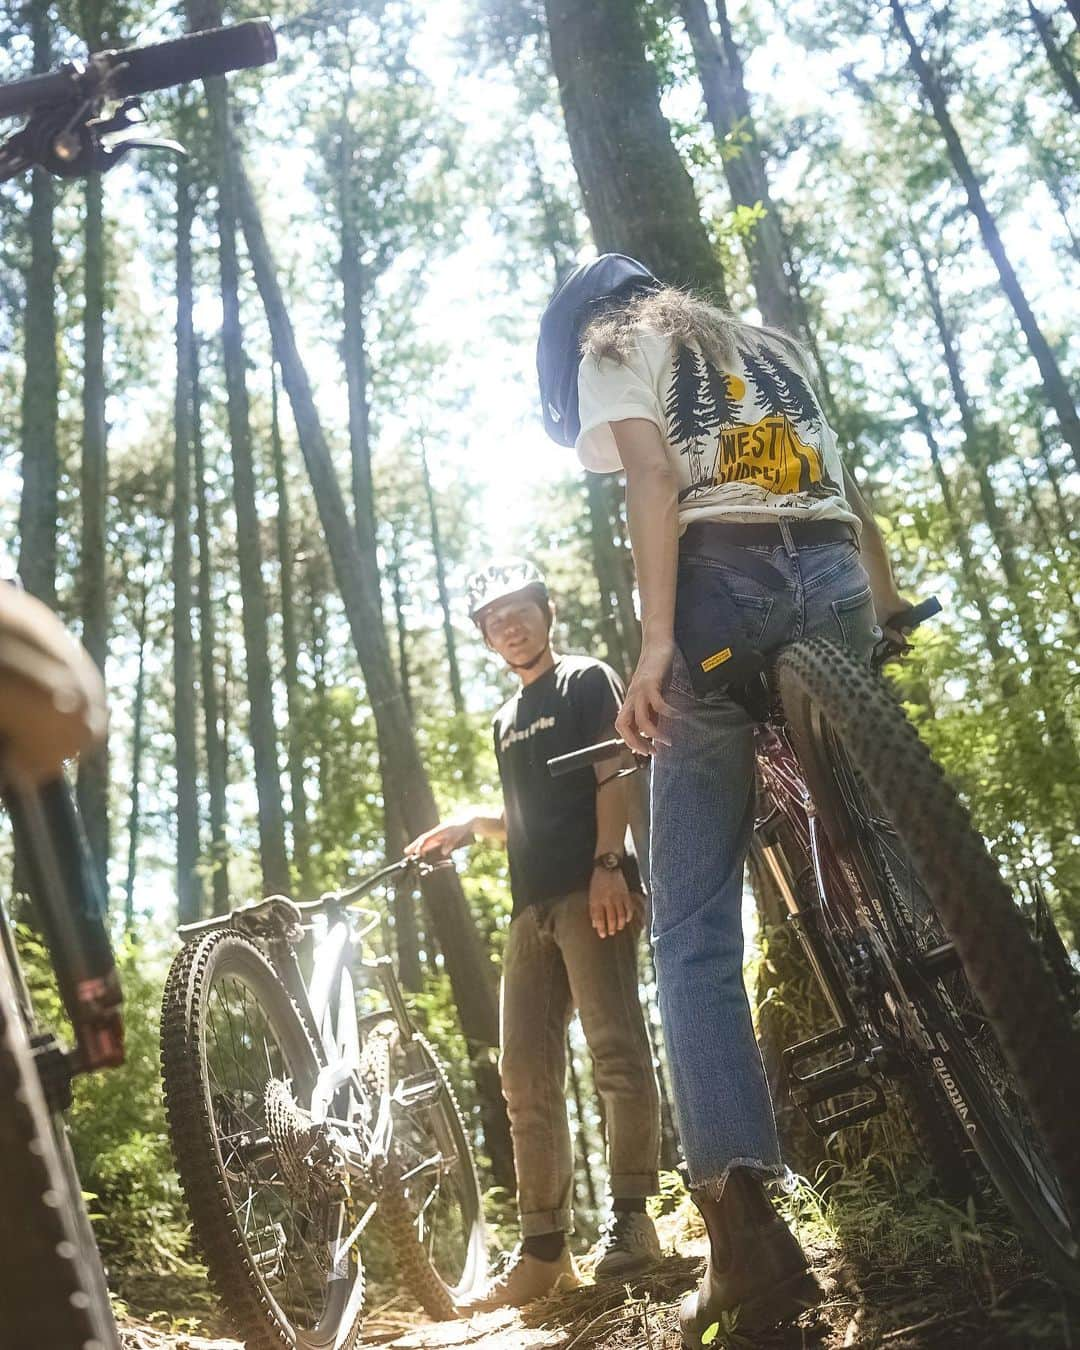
(772, 454)
(717, 659)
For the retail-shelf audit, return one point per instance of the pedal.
(417, 1089)
(853, 1075)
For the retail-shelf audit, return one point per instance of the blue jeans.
(702, 804)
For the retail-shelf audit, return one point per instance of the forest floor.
(934, 1281)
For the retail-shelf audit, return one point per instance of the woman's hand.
(638, 722)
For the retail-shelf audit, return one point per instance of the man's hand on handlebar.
(441, 840)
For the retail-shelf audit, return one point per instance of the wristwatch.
(610, 862)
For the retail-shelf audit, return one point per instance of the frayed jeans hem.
(713, 1187)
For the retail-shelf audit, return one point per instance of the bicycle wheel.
(267, 1207)
(975, 997)
(52, 1286)
(430, 1207)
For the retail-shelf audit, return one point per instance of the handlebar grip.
(23, 96)
(211, 52)
(581, 759)
(910, 619)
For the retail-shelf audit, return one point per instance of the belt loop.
(789, 542)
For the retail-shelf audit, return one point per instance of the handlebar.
(297, 910)
(138, 70)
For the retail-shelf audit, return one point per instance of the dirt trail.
(906, 1308)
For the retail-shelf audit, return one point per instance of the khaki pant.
(555, 961)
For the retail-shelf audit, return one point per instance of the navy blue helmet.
(588, 290)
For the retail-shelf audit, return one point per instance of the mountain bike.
(297, 1120)
(936, 981)
(52, 1285)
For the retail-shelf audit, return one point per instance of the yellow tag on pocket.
(717, 659)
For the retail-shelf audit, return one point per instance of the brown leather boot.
(755, 1264)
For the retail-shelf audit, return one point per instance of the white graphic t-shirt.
(749, 443)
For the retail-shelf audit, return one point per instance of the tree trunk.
(440, 580)
(93, 775)
(137, 746)
(720, 71)
(294, 737)
(354, 294)
(1057, 390)
(398, 592)
(974, 582)
(637, 193)
(1065, 519)
(1058, 61)
(216, 770)
(619, 623)
(39, 413)
(1050, 545)
(188, 886)
(262, 732)
(467, 965)
(975, 444)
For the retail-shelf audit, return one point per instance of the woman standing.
(747, 534)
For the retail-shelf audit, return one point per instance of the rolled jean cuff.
(768, 1172)
(634, 1185)
(540, 1221)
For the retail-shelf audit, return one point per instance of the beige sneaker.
(523, 1279)
(628, 1245)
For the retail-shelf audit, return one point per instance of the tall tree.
(720, 70)
(291, 653)
(637, 193)
(213, 733)
(137, 733)
(261, 728)
(188, 889)
(38, 504)
(453, 667)
(1059, 62)
(466, 964)
(93, 775)
(1057, 390)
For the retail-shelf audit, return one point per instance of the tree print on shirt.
(780, 392)
(687, 409)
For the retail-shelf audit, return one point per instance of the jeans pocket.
(857, 623)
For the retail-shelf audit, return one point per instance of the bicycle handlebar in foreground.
(908, 620)
(138, 70)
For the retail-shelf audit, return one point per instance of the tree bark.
(974, 583)
(637, 193)
(467, 965)
(188, 886)
(291, 653)
(1057, 390)
(216, 770)
(137, 746)
(93, 775)
(40, 390)
(720, 71)
(262, 731)
(1059, 63)
(976, 447)
(397, 590)
(440, 580)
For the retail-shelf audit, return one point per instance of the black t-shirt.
(551, 822)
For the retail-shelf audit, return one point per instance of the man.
(572, 942)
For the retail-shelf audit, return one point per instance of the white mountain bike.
(296, 1121)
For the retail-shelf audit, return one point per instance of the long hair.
(688, 322)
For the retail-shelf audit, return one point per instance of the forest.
(264, 407)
